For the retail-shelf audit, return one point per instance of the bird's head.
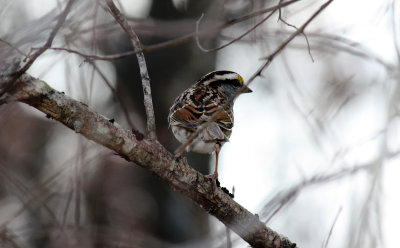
(226, 82)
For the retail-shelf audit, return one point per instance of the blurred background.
(314, 150)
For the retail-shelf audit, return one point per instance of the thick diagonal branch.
(147, 153)
(148, 101)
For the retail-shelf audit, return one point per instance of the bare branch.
(147, 153)
(148, 101)
(325, 244)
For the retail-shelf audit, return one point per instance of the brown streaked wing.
(187, 116)
(224, 119)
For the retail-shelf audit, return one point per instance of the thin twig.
(15, 74)
(232, 41)
(14, 48)
(336, 42)
(325, 244)
(148, 101)
(281, 199)
(395, 31)
(115, 94)
(47, 45)
(254, 76)
(293, 26)
(28, 192)
(89, 57)
(179, 40)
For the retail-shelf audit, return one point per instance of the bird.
(194, 108)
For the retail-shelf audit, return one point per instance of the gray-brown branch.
(148, 153)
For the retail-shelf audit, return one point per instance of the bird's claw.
(214, 181)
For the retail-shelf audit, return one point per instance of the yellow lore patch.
(240, 79)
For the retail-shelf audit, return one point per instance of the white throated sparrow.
(197, 104)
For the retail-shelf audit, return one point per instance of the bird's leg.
(217, 149)
(179, 152)
(214, 176)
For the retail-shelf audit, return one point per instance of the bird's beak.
(246, 89)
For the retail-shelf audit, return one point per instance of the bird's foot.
(179, 152)
(180, 158)
(214, 180)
